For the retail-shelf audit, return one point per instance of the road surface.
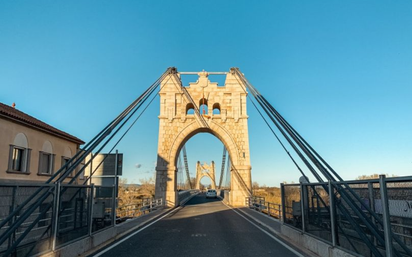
(203, 227)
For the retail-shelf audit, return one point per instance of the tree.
(255, 185)
(147, 187)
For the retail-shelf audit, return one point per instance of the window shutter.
(40, 162)
(27, 164)
(11, 157)
(52, 163)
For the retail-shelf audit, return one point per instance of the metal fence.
(136, 209)
(259, 204)
(329, 217)
(69, 213)
(11, 197)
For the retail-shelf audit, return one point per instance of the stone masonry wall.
(177, 125)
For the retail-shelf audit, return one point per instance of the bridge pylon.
(203, 107)
(205, 170)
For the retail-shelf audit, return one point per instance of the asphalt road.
(203, 227)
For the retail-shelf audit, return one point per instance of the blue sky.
(339, 71)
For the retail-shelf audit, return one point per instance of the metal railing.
(70, 213)
(259, 204)
(183, 195)
(137, 209)
(311, 209)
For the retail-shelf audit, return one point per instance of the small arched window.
(19, 155)
(203, 106)
(67, 155)
(216, 109)
(46, 159)
(190, 109)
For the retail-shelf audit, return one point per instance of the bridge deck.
(203, 227)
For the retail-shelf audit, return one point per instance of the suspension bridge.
(326, 217)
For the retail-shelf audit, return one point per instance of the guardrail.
(259, 204)
(70, 213)
(322, 217)
(183, 195)
(130, 211)
(311, 209)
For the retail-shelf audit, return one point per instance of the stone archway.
(205, 170)
(177, 125)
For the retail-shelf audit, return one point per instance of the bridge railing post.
(282, 197)
(114, 206)
(302, 207)
(12, 207)
(56, 209)
(386, 216)
(332, 213)
(279, 212)
(372, 206)
(91, 202)
(115, 186)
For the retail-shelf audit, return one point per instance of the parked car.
(211, 193)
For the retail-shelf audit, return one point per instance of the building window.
(216, 109)
(203, 106)
(64, 161)
(203, 109)
(46, 163)
(81, 176)
(190, 109)
(19, 159)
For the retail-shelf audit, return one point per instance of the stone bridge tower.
(203, 107)
(204, 170)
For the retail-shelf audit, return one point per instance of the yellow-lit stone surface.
(205, 170)
(176, 127)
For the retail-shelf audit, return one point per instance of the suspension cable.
(318, 161)
(101, 136)
(222, 171)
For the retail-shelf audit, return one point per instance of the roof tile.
(14, 114)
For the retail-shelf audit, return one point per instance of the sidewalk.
(274, 226)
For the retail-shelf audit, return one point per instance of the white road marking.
(175, 210)
(267, 233)
(134, 233)
(198, 235)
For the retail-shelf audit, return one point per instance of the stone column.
(166, 186)
(239, 192)
(171, 188)
(160, 189)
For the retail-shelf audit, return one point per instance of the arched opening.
(205, 183)
(203, 106)
(190, 109)
(204, 156)
(166, 179)
(216, 109)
